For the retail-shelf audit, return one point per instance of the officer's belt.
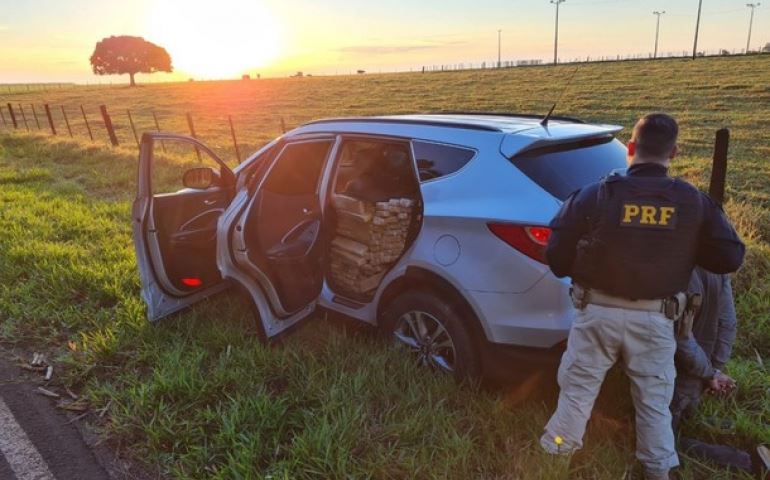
(603, 300)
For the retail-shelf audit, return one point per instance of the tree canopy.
(131, 55)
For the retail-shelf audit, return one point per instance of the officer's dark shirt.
(719, 249)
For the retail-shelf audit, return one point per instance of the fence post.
(23, 117)
(719, 166)
(283, 125)
(50, 118)
(34, 114)
(88, 127)
(66, 120)
(157, 128)
(13, 116)
(108, 125)
(192, 133)
(235, 142)
(2, 115)
(133, 129)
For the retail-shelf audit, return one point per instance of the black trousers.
(683, 407)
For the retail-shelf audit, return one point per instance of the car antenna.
(544, 121)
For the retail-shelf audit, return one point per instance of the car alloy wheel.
(426, 337)
(436, 330)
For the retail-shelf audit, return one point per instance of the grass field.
(193, 397)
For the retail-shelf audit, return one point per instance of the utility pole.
(657, 30)
(752, 6)
(499, 33)
(556, 35)
(697, 26)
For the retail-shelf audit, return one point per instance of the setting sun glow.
(214, 40)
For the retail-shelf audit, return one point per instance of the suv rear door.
(174, 228)
(277, 238)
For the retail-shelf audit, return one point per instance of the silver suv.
(431, 227)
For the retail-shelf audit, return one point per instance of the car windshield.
(562, 169)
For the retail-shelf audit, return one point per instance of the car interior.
(373, 215)
(186, 222)
(283, 227)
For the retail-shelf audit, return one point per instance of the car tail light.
(528, 239)
(192, 282)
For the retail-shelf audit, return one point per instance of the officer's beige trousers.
(645, 344)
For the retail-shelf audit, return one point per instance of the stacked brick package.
(369, 238)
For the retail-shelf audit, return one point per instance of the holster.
(579, 296)
(675, 306)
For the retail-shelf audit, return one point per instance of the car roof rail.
(536, 116)
(411, 121)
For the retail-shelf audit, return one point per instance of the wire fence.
(587, 59)
(231, 136)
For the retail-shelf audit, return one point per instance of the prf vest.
(643, 238)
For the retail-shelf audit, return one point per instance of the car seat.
(384, 173)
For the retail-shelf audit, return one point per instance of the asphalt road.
(37, 441)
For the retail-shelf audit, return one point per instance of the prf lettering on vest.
(648, 215)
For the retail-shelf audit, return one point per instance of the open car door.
(278, 243)
(181, 193)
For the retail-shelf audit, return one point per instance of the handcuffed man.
(703, 349)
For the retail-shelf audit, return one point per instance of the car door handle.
(209, 202)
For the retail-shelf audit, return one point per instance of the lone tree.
(131, 55)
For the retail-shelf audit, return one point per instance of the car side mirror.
(200, 178)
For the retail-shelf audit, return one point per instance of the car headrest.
(386, 159)
(367, 159)
(396, 159)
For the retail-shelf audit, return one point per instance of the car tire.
(428, 308)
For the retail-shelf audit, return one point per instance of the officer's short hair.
(655, 135)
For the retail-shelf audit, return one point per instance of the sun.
(213, 40)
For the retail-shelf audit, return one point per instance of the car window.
(298, 168)
(435, 160)
(374, 169)
(562, 169)
(250, 173)
(172, 158)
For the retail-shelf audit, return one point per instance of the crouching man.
(702, 350)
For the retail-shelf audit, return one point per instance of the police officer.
(630, 244)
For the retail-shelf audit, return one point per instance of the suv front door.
(181, 194)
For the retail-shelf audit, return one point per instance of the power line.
(657, 30)
(752, 6)
(600, 2)
(556, 32)
(697, 27)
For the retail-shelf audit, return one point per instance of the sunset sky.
(51, 40)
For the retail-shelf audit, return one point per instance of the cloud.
(384, 49)
(394, 49)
